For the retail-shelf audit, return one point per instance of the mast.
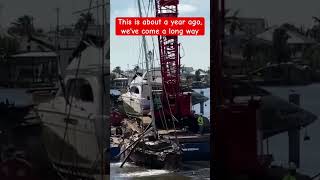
(148, 74)
(151, 59)
(103, 145)
(57, 42)
(57, 29)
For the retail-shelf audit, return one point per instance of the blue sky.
(125, 49)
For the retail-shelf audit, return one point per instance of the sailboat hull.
(136, 104)
(73, 147)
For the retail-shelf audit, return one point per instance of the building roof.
(251, 19)
(294, 37)
(35, 54)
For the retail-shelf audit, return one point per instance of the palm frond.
(235, 14)
(317, 20)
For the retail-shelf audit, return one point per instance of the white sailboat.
(137, 96)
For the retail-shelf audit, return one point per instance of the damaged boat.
(165, 124)
(136, 100)
(74, 121)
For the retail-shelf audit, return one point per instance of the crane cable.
(162, 114)
(71, 101)
(104, 89)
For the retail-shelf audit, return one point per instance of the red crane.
(169, 50)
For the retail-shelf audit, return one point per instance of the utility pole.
(57, 41)
(58, 17)
(1, 8)
(97, 21)
(104, 90)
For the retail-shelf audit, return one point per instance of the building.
(234, 44)
(297, 42)
(186, 70)
(249, 26)
(33, 67)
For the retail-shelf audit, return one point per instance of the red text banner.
(152, 26)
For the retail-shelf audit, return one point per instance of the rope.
(140, 55)
(163, 115)
(104, 88)
(172, 116)
(70, 107)
(72, 91)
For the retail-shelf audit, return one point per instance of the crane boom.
(170, 58)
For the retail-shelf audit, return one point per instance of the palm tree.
(198, 75)
(314, 32)
(136, 68)
(84, 20)
(22, 25)
(280, 45)
(316, 19)
(8, 46)
(311, 57)
(248, 53)
(117, 70)
(301, 30)
(232, 21)
(112, 76)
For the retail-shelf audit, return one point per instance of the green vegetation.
(84, 20)
(312, 57)
(8, 46)
(22, 26)
(117, 70)
(197, 75)
(136, 68)
(232, 21)
(281, 49)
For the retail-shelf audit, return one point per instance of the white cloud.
(129, 12)
(195, 2)
(187, 8)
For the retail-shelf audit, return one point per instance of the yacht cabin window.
(134, 89)
(79, 89)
